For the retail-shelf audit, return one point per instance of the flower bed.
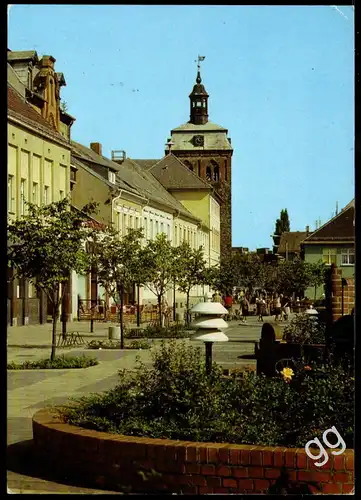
(137, 464)
(177, 399)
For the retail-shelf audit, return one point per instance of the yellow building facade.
(38, 172)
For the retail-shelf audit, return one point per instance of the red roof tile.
(340, 228)
(291, 241)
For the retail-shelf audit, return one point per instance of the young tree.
(159, 263)
(190, 267)
(252, 272)
(293, 277)
(117, 264)
(45, 245)
(283, 223)
(317, 274)
(282, 226)
(225, 276)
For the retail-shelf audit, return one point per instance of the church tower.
(206, 149)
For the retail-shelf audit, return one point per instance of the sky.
(280, 79)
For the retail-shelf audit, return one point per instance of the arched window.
(188, 165)
(213, 171)
(216, 173)
(208, 174)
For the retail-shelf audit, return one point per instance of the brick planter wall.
(115, 461)
(348, 292)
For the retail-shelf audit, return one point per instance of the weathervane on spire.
(200, 58)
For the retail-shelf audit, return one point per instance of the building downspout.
(175, 215)
(113, 200)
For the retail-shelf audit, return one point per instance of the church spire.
(199, 99)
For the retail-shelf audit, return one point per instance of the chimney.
(96, 147)
(307, 229)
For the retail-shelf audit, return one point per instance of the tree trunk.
(187, 306)
(160, 310)
(55, 318)
(121, 293)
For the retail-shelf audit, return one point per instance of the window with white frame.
(130, 221)
(175, 235)
(11, 200)
(329, 256)
(111, 176)
(136, 220)
(22, 196)
(61, 194)
(161, 227)
(151, 229)
(168, 231)
(125, 220)
(156, 227)
(347, 257)
(145, 228)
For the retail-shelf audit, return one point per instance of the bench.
(70, 339)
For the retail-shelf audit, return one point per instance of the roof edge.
(342, 212)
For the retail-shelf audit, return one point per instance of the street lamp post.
(209, 326)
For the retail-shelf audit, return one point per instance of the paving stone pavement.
(30, 390)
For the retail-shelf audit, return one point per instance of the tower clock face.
(198, 140)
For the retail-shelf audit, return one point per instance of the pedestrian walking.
(277, 307)
(228, 301)
(286, 309)
(245, 308)
(261, 308)
(216, 297)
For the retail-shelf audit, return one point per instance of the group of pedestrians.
(277, 305)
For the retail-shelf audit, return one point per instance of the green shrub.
(139, 344)
(59, 362)
(303, 329)
(115, 344)
(156, 331)
(176, 399)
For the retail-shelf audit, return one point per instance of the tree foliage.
(191, 267)
(159, 264)
(293, 276)
(45, 245)
(318, 271)
(283, 223)
(117, 263)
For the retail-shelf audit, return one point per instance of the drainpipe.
(175, 216)
(113, 200)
